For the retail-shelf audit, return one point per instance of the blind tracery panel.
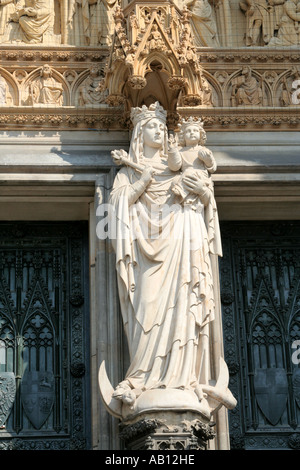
(43, 326)
(260, 282)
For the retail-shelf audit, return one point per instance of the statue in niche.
(90, 22)
(285, 98)
(155, 40)
(288, 32)
(206, 92)
(288, 87)
(259, 21)
(204, 23)
(5, 96)
(45, 90)
(163, 244)
(92, 92)
(35, 19)
(246, 91)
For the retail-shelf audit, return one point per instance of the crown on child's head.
(155, 110)
(184, 123)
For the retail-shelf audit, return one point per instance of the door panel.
(44, 317)
(260, 293)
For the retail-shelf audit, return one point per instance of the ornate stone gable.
(153, 38)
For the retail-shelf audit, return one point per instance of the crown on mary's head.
(155, 110)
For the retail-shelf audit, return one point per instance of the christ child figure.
(195, 161)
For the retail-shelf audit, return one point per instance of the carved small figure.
(155, 40)
(204, 23)
(259, 21)
(288, 33)
(46, 90)
(206, 91)
(5, 96)
(246, 91)
(90, 22)
(35, 19)
(92, 91)
(194, 160)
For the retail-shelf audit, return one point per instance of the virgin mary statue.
(164, 273)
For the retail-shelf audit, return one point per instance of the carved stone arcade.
(154, 52)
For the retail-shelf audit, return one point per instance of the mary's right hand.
(147, 175)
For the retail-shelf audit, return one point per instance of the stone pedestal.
(167, 431)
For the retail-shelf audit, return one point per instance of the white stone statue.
(36, 19)
(90, 22)
(163, 246)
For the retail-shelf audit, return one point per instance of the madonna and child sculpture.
(166, 230)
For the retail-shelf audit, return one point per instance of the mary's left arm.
(197, 186)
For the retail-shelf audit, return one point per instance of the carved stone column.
(167, 431)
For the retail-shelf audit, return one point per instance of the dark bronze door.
(260, 293)
(44, 326)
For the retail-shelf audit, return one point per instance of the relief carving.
(92, 91)
(271, 22)
(7, 9)
(45, 90)
(35, 19)
(286, 88)
(204, 23)
(90, 22)
(5, 96)
(206, 92)
(288, 33)
(258, 17)
(78, 22)
(246, 91)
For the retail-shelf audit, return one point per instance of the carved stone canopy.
(153, 45)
